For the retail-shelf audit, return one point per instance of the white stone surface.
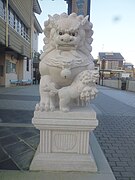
(64, 140)
(66, 67)
(67, 84)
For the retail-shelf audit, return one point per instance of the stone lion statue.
(66, 67)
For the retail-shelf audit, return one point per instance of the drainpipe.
(6, 23)
(31, 38)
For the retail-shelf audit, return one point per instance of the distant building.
(127, 65)
(129, 68)
(110, 60)
(17, 26)
(110, 64)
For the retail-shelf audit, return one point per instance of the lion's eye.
(73, 34)
(60, 33)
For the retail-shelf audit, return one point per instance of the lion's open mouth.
(67, 45)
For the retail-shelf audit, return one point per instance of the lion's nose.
(66, 38)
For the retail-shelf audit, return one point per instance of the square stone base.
(64, 140)
(63, 162)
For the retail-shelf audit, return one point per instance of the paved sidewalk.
(125, 97)
(18, 137)
(115, 133)
(116, 130)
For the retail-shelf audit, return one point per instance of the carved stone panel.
(64, 141)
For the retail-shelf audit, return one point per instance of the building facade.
(17, 23)
(129, 69)
(111, 60)
(110, 64)
(80, 7)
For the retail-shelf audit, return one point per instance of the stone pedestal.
(64, 140)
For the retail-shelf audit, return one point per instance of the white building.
(18, 29)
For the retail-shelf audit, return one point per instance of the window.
(18, 26)
(14, 21)
(10, 67)
(2, 9)
(22, 29)
(11, 17)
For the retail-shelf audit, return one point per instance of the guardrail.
(128, 85)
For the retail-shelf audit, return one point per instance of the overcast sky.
(113, 25)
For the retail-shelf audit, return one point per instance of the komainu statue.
(67, 69)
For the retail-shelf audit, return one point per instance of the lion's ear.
(50, 18)
(83, 22)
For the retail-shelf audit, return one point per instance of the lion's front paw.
(37, 107)
(47, 107)
(65, 109)
(52, 108)
(40, 107)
